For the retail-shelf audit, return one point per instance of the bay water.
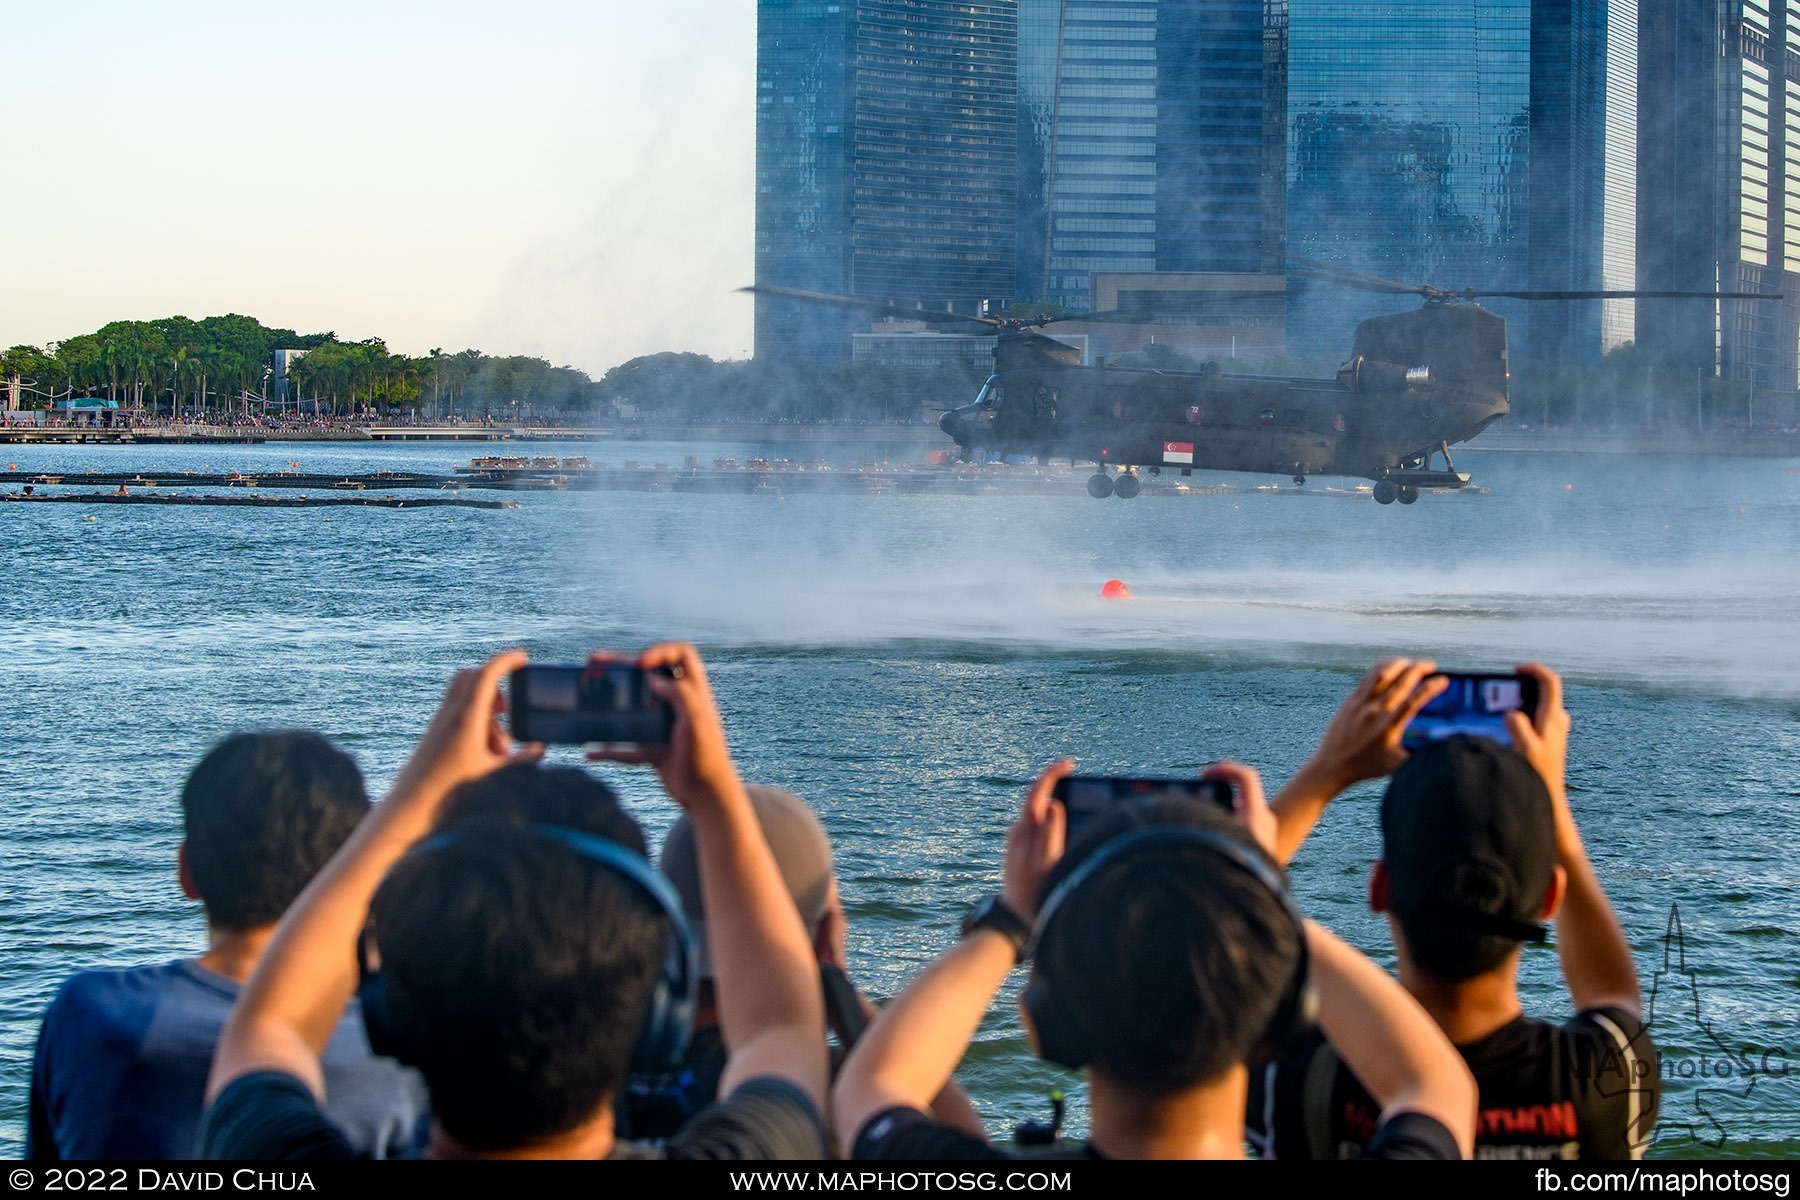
(908, 663)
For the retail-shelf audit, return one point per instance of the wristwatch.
(991, 912)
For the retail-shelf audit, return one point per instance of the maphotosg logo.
(1705, 1082)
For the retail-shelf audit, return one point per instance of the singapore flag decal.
(1178, 452)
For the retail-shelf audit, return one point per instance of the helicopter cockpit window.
(990, 396)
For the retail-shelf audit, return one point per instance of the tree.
(23, 367)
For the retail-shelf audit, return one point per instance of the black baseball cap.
(1469, 838)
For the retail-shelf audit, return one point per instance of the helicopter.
(1415, 384)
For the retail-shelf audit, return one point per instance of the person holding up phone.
(529, 968)
(1480, 851)
(1166, 954)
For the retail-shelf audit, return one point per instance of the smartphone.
(1085, 797)
(597, 702)
(1475, 704)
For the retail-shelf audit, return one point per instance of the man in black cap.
(1479, 851)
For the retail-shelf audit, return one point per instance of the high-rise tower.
(1719, 185)
(1583, 175)
(1149, 140)
(1408, 132)
(886, 160)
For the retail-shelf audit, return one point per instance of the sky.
(571, 179)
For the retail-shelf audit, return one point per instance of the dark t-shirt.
(1584, 1090)
(121, 1065)
(270, 1116)
(908, 1134)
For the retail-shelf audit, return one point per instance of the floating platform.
(289, 480)
(208, 501)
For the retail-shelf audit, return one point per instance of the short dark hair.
(1469, 838)
(261, 813)
(521, 971)
(522, 794)
(1171, 972)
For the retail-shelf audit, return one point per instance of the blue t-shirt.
(122, 1060)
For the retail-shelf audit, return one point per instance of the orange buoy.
(1115, 589)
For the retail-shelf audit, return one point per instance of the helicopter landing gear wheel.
(1408, 493)
(1385, 491)
(1126, 486)
(1100, 486)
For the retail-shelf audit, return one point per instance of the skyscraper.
(1149, 140)
(886, 160)
(1408, 132)
(1719, 185)
(1583, 174)
(804, 135)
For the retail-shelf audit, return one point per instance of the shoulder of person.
(1610, 1035)
(765, 1117)
(95, 1002)
(1412, 1135)
(908, 1133)
(267, 1115)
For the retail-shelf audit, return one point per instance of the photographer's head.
(529, 793)
(261, 813)
(802, 853)
(521, 969)
(1468, 866)
(1167, 951)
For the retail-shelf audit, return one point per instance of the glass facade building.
(1408, 137)
(886, 161)
(803, 145)
(1149, 140)
(1719, 185)
(1583, 174)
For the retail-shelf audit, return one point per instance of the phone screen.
(576, 705)
(1085, 797)
(1474, 704)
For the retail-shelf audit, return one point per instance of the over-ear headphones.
(1064, 1038)
(670, 1017)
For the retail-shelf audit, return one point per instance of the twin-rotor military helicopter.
(1416, 383)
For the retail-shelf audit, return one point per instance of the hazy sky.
(566, 178)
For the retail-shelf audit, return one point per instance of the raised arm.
(771, 1013)
(297, 993)
(951, 1106)
(1391, 1043)
(1362, 741)
(905, 1057)
(1596, 957)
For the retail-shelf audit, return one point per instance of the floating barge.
(210, 501)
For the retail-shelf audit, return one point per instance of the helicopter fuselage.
(1415, 382)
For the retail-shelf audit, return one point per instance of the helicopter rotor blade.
(1619, 295)
(873, 307)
